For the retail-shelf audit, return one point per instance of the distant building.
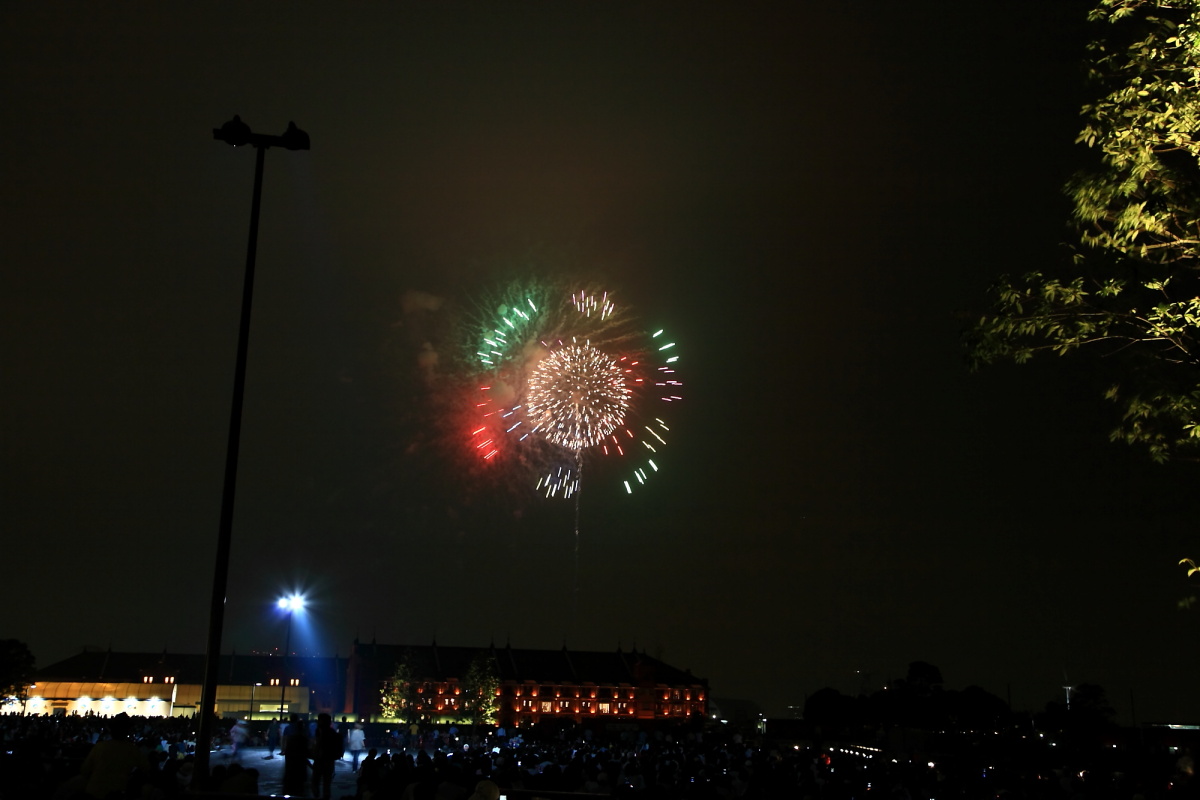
(534, 685)
(165, 684)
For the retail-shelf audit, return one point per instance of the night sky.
(813, 196)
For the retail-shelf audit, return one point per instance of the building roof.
(117, 667)
(428, 662)
(438, 663)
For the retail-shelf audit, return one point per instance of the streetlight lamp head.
(238, 133)
(291, 603)
(235, 132)
(294, 138)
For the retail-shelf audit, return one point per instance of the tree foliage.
(17, 669)
(918, 702)
(398, 696)
(1131, 291)
(479, 687)
(924, 677)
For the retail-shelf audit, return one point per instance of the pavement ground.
(270, 771)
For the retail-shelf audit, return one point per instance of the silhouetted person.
(272, 739)
(370, 775)
(327, 749)
(486, 790)
(111, 762)
(239, 780)
(295, 758)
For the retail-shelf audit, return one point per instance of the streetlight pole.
(287, 645)
(236, 133)
(291, 605)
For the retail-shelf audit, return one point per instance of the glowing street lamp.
(291, 605)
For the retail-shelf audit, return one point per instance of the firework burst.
(569, 379)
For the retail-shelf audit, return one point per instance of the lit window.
(606, 708)
(547, 706)
(294, 682)
(169, 679)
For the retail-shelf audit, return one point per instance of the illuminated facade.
(534, 685)
(595, 688)
(169, 685)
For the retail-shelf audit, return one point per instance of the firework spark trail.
(575, 592)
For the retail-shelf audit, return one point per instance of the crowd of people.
(152, 758)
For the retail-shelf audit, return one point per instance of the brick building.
(534, 685)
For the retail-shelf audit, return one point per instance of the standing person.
(238, 735)
(111, 762)
(327, 749)
(272, 738)
(295, 758)
(356, 741)
(371, 775)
